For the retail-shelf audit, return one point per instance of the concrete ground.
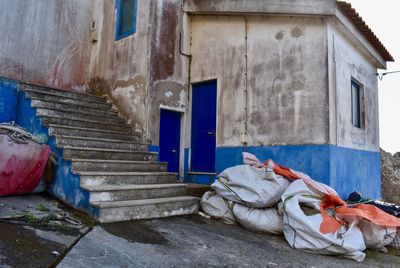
(193, 241)
(37, 230)
(190, 241)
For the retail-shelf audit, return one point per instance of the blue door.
(170, 138)
(204, 121)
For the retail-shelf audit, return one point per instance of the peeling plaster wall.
(346, 62)
(144, 70)
(46, 42)
(287, 77)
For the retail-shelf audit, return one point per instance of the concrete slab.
(193, 241)
(37, 231)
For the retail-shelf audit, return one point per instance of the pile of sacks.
(269, 198)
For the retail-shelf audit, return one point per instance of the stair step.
(82, 165)
(90, 179)
(81, 102)
(146, 208)
(82, 123)
(72, 108)
(61, 130)
(78, 116)
(87, 142)
(106, 193)
(62, 93)
(112, 154)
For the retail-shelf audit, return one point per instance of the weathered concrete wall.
(287, 77)
(218, 52)
(348, 62)
(308, 7)
(45, 41)
(288, 101)
(144, 70)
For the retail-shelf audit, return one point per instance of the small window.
(357, 104)
(126, 18)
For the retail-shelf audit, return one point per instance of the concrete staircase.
(123, 180)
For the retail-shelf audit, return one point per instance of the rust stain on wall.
(163, 48)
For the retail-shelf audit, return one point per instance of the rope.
(16, 133)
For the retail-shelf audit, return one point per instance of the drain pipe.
(189, 63)
(244, 135)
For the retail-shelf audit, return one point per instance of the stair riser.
(118, 167)
(92, 134)
(63, 93)
(75, 116)
(100, 144)
(50, 98)
(74, 123)
(72, 108)
(147, 211)
(80, 154)
(90, 181)
(136, 194)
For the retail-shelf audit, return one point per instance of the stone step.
(106, 193)
(82, 123)
(62, 93)
(74, 116)
(84, 165)
(81, 102)
(71, 108)
(112, 154)
(92, 133)
(146, 208)
(86, 142)
(90, 179)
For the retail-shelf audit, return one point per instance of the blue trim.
(346, 170)
(8, 100)
(118, 34)
(154, 149)
(356, 95)
(65, 185)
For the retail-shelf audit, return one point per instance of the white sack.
(259, 220)
(252, 187)
(215, 206)
(302, 231)
(375, 236)
(396, 241)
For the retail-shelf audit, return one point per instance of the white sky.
(383, 17)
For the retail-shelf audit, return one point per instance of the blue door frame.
(170, 139)
(204, 122)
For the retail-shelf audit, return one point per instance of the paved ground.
(191, 241)
(196, 242)
(37, 231)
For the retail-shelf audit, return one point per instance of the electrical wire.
(381, 75)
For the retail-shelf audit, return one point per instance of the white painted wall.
(347, 61)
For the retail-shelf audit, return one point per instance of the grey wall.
(45, 41)
(308, 7)
(142, 71)
(346, 61)
(287, 77)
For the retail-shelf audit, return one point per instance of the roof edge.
(361, 26)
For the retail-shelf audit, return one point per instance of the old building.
(202, 81)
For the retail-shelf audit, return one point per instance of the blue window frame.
(356, 104)
(126, 18)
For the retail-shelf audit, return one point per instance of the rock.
(390, 177)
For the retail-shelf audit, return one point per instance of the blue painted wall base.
(344, 169)
(65, 185)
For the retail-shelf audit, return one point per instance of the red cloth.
(21, 166)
